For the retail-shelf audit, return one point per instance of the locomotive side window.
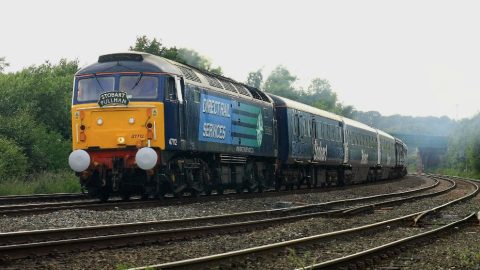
(139, 87)
(91, 88)
(196, 95)
(170, 91)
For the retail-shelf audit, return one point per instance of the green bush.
(46, 150)
(13, 162)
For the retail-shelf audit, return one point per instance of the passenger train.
(145, 125)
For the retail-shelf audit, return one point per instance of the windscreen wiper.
(99, 84)
(137, 82)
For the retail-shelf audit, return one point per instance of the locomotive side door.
(174, 116)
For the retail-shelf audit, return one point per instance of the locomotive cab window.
(139, 87)
(90, 89)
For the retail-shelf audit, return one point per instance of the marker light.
(79, 160)
(121, 140)
(146, 158)
(99, 121)
(131, 121)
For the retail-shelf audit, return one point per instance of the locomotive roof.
(144, 62)
(129, 62)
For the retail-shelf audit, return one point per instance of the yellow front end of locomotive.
(138, 125)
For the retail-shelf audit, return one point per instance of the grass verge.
(63, 181)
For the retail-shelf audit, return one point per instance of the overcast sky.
(414, 58)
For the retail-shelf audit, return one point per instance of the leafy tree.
(144, 44)
(473, 152)
(181, 55)
(319, 94)
(35, 113)
(429, 125)
(255, 79)
(43, 91)
(280, 82)
(13, 162)
(347, 111)
(3, 64)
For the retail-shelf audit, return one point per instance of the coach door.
(174, 116)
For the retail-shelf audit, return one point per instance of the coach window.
(302, 127)
(170, 91)
(296, 126)
(314, 129)
(308, 128)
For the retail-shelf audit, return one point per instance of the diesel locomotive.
(145, 125)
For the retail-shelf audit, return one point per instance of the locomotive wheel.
(309, 184)
(278, 184)
(208, 190)
(104, 196)
(195, 193)
(102, 193)
(219, 190)
(125, 195)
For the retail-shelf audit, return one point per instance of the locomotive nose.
(146, 158)
(79, 160)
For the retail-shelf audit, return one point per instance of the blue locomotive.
(147, 125)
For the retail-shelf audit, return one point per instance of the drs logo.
(215, 120)
(230, 122)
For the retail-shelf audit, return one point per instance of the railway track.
(364, 258)
(42, 242)
(41, 198)
(235, 258)
(39, 208)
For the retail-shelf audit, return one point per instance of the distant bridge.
(430, 148)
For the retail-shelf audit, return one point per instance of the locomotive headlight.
(79, 160)
(146, 158)
(100, 121)
(131, 120)
(121, 140)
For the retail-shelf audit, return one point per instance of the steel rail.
(369, 207)
(23, 209)
(37, 235)
(53, 246)
(338, 262)
(40, 197)
(213, 260)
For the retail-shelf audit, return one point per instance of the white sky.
(408, 57)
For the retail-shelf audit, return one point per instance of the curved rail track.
(241, 255)
(9, 199)
(41, 242)
(38, 208)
